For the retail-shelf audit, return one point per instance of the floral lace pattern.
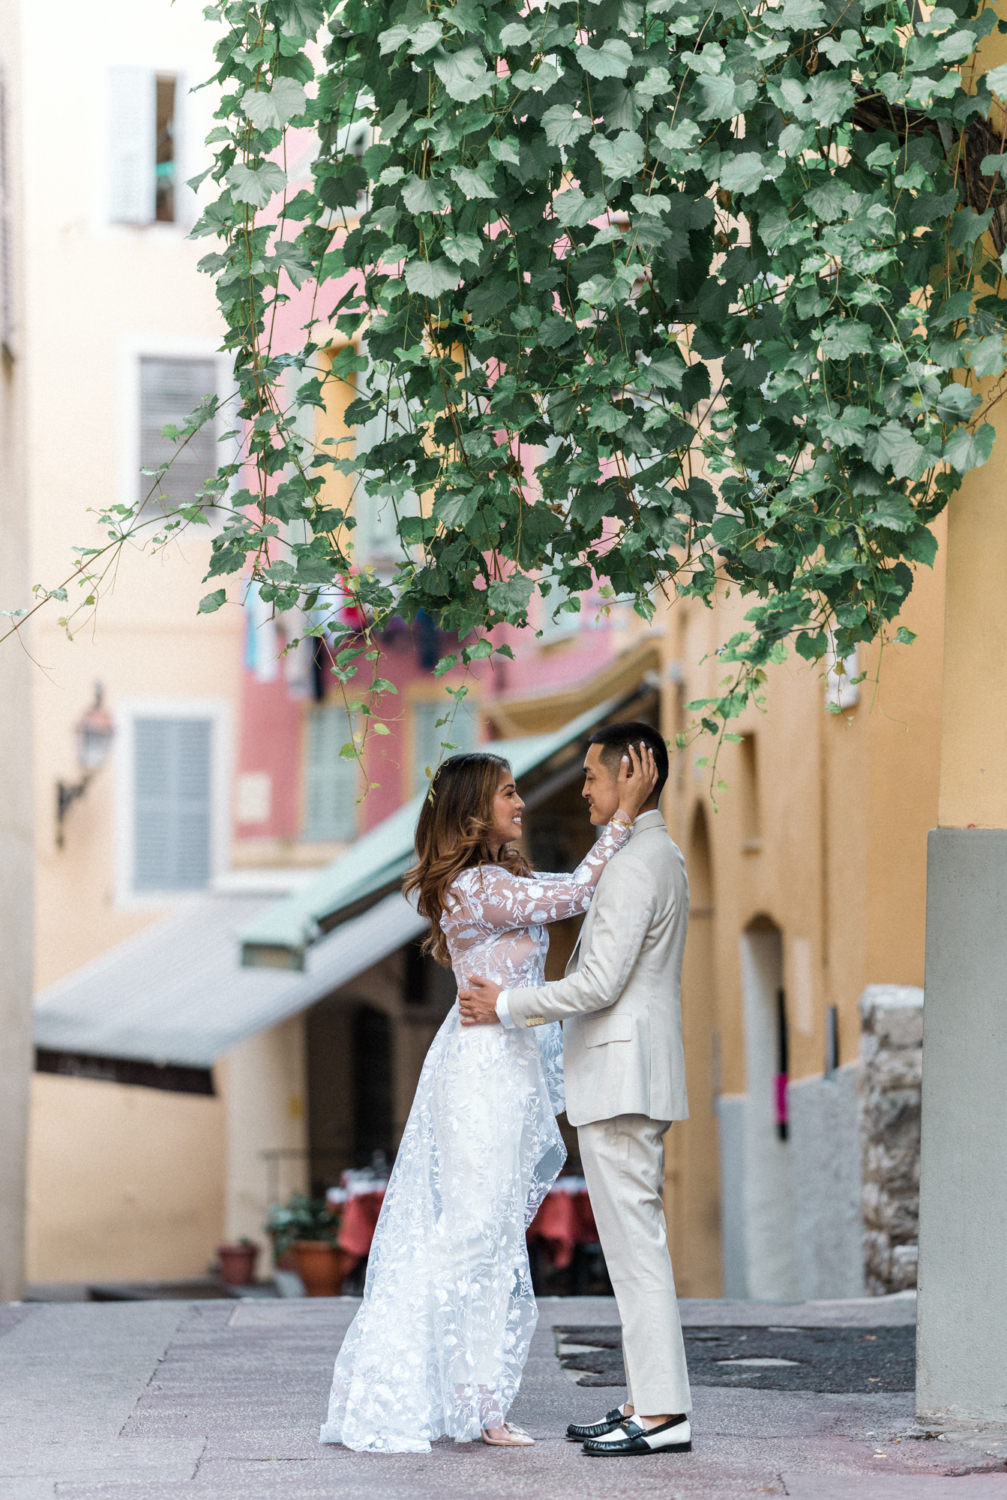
(439, 1343)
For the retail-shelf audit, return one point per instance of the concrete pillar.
(962, 1329)
(16, 668)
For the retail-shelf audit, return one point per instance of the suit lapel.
(652, 819)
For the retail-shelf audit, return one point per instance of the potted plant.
(237, 1262)
(307, 1227)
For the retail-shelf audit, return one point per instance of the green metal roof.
(280, 936)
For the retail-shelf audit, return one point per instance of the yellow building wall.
(834, 854)
(124, 1183)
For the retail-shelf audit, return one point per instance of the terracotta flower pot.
(237, 1264)
(321, 1266)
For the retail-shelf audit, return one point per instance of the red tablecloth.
(564, 1221)
(358, 1221)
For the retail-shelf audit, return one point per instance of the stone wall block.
(889, 1081)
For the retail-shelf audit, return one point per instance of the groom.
(625, 1083)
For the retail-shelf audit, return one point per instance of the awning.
(281, 936)
(176, 993)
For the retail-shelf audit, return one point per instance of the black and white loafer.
(630, 1439)
(579, 1432)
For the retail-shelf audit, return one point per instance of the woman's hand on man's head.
(636, 780)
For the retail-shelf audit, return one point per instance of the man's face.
(601, 787)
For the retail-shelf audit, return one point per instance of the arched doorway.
(693, 1195)
(770, 1262)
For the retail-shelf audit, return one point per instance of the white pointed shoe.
(516, 1438)
(630, 1439)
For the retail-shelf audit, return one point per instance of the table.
(564, 1221)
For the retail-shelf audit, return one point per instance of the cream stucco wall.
(264, 1086)
(124, 1183)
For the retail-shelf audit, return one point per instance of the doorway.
(692, 1194)
(771, 1269)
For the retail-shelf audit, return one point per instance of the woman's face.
(507, 806)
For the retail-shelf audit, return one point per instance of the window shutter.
(428, 738)
(376, 538)
(132, 118)
(331, 783)
(172, 786)
(169, 390)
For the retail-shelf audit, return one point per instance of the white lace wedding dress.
(439, 1343)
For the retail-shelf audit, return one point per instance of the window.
(172, 779)
(142, 138)
(428, 737)
(331, 783)
(169, 390)
(164, 167)
(375, 538)
(748, 786)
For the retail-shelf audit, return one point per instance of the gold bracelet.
(618, 823)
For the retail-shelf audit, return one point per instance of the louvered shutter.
(172, 804)
(428, 738)
(132, 117)
(332, 784)
(376, 539)
(169, 390)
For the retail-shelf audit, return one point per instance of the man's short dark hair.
(615, 740)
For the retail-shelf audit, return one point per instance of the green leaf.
(510, 596)
(904, 637)
(996, 80)
(300, 17)
(475, 182)
(894, 445)
(612, 59)
(723, 97)
(425, 195)
(464, 74)
(563, 126)
(989, 357)
(431, 278)
(965, 450)
(573, 210)
(622, 157)
(421, 38)
(272, 109)
(212, 602)
(743, 173)
(463, 247)
(827, 200)
(458, 508)
(847, 426)
(607, 418)
(844, 337)
(256, 188)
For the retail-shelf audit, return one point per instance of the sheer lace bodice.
(441, 1338)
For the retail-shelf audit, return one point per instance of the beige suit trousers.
(623, 1162)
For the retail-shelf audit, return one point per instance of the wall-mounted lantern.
(94, 734)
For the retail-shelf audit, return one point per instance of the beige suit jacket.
(620, 1002)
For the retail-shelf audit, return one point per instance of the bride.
(439, 1343)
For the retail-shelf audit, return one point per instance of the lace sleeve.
(497, 898)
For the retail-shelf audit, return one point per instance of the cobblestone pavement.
(222, 1401)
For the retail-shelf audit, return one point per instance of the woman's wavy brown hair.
(453, 834)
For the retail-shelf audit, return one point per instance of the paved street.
(222, 1401)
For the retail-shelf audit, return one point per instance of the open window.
(142, 146)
